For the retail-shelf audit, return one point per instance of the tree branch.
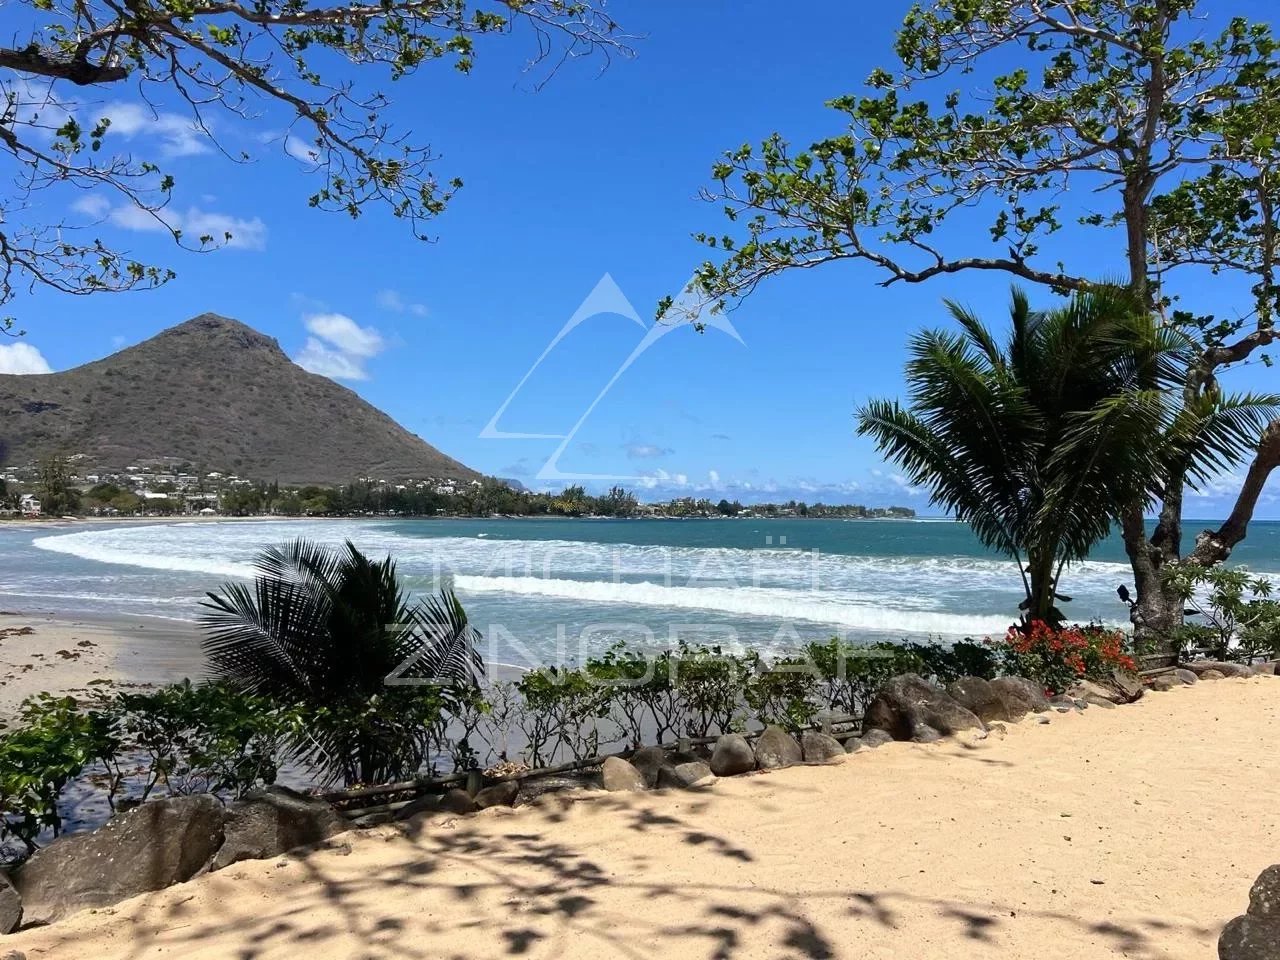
(76, 70)
(1215, 546)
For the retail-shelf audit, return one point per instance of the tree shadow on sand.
(465, 889)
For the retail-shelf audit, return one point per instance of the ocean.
(544, 591)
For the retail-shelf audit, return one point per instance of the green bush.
(205, 738)
(54, 742)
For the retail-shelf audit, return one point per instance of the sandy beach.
(1133, 832)
(82, 657)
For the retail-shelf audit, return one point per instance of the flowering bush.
(1059, 658)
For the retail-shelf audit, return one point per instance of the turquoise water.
(549, 590)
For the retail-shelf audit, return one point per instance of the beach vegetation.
(1235, 615)
(1041, 440)
(1058, 658)
(968, 154)
(371, 672)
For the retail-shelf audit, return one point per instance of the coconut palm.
(1040, 443)
(333, 632)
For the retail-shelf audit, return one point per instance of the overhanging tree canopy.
(215, 60)
(1008, 123)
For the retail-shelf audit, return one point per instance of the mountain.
(220, 395)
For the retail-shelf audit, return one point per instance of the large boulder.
(732, 755)
(909, 707)
(980, 698)
(1127, 685)
(684, 776)
(650, 762)
(268, 822)
(501, 794)
(776, 748)
(621, 777)
(1188, 677)
(1098, 694)
(1020, 696)
(873, 739)
(1164, 682)
(10, 906)
(155, 845)
(1256, 935)
(1213, 675)
(820, 747)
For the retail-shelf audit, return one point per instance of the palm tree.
(1039, 445)
(334, 633)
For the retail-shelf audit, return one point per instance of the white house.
(29, 505)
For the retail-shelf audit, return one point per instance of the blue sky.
(594, 174)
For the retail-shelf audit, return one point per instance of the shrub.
(563, 707)
(53, 743)
(205, 738)
(1240, 622)
(784, 692)
(643, 700)
(708, 682)
(1058, 658)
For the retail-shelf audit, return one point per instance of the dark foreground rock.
(650, 761)
(153, 846)
(820, 747)
(10, 906)
(457, 802)
(775, 748)
(621, 777)
(1256, 935)
(498, 795)
(1020, 695)
(874, 738)
(980, 698)
(732, 755)
(269, 822)
(909, 707)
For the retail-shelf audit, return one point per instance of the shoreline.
(79, 656)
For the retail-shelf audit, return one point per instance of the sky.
(580, 201)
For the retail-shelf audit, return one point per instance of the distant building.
(29, 505)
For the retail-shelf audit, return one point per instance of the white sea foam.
(777, 605)
(94, 545)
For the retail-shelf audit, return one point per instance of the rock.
(1201, 667)
(1265, 669)
(1187, 677)
(852, 745)
(1090, 691)
(266, 823)
(1164, 682)
(1127, 685)
(378, 819)
(621, 777)
(682, 776)
(1064, 704)
(1250, 938)
(649, 761)
(1213, 675)
(820, 747)
(1264, 895)
(155, 845)
(875, 738)
(536, 788)
(457, 802)
(980, 698)
(732, 755)
(498, 795)
(909, 702)
(776, 748)
(923, 733)
(10, 906)
(13, 955)
(1020, 696)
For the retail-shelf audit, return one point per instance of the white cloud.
(180, 136)
(393, 300)
(338, 347)
(301, 150)
(345, 334)
(22, 358)
(646, 451)
(195, 223)
(92, 205)
(713, 477)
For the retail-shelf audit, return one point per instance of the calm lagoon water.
(550, 590)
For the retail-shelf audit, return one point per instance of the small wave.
(87, 547)
(778, 605)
